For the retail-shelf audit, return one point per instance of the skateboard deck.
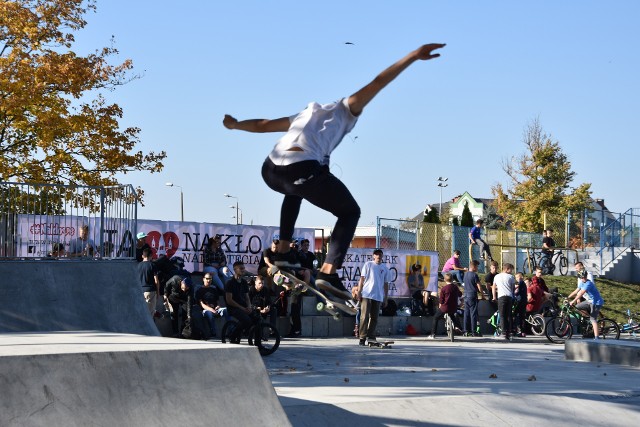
(381, 344)
(334, 308)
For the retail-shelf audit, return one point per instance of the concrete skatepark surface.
(55, 372)
(421, 382)
(104, 379)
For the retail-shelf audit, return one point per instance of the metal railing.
(618, 236)
(44, 220)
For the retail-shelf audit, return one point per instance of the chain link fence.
(399, 234)
(606, 231)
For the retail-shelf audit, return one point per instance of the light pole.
(238, 221)
(171, 184)
(442, 183)
(237, 209)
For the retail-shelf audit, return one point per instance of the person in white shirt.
(298, 166)
(504, 286)
(372, 292)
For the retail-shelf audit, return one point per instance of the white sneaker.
(431, 337)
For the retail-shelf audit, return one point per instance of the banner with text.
(398, 261)
(171, 238)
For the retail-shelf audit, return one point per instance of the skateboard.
(296, 285)
(381, 344)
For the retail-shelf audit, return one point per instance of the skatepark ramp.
(95, 378)
(78, 347)
(70, 295)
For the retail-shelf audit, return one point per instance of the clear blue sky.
(575, 65)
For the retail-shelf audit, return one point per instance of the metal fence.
(506, 245)
(37, 219)
(396, 234)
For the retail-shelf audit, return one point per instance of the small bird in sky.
(349, 43)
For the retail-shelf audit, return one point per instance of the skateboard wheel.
(320, 306)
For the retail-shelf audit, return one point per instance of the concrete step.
(620, 352)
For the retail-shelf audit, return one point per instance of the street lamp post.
(171, 184)
(442, 183)
(237, 209)
(238, 220)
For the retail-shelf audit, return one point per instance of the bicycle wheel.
(609, 329)
(563, 264)
(450, 329)
(558, 329)
(537, 324)
(228, 329)
(268, 339)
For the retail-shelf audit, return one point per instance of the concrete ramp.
(93, 378)
(68, 295)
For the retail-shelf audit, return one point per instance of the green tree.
(431, 216)
(539, 182)
(466, 220)
(55, 123)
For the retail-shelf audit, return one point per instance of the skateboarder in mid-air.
(298, 166)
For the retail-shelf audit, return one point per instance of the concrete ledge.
(94, 378)
(619, 352)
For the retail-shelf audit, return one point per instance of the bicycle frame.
(631, 327)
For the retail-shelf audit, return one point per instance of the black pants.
(179, 309)
(440, 315)
(505, 305)
(311, 181)
(244, 320)
(296, 321)
(520, 316)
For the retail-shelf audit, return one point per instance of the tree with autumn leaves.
(539, 182)
(55, 124)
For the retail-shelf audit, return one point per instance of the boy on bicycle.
(449, 301)
(593, 306)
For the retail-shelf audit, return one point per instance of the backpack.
(390, 309)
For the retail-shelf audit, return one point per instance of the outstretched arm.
(257, 125)
(361, 98)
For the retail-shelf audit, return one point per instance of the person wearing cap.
(373, 291)
(141, 245)
(593, 304)
(298, 167)
(178, 292)
(580, 270)
(148, 279)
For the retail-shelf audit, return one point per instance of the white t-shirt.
(505, 284)
(375, 276)
(317, 130)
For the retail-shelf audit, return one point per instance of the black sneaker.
(362, 342)
(287, 259)
(332, 283)
(293, 334)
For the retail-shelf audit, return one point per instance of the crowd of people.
(225, 292)
(170, 289)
